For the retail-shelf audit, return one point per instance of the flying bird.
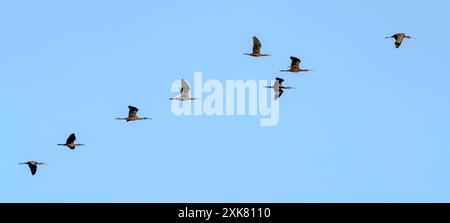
(132, 115)
(257, 49)
(278, 88)
(33, 166)
(399, 37)
(184, 91)
(295, 66)
(70, 142)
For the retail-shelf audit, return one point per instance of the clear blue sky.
(371, 125)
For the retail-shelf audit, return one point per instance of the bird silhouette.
(256, 52)
(184, 92)
(295, 66)
(70, 142)
(132, 115)
(399, 37)
(33, 166)
(278, 88)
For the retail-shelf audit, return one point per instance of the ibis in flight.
(33, 166)
(184, 92)
(257, 49)
(70, 142)
(278, 88)
(295, 66)
(399, 37)
(132, 115)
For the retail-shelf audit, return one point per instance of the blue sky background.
(371, 125)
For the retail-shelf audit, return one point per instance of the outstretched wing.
(280, 80)
(278, 94)
(184, 88)
(133, 111)
(399, 39)
(256, 45)
(33, 168)
(295, 62)
(71, 139)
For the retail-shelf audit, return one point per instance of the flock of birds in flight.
(184, 92)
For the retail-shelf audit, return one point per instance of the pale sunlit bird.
(184, 92)
(399, 37)
(70, 142)
(33, 166)
(132, 115)
(278, 88)
(295, 66)
(257, 49)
